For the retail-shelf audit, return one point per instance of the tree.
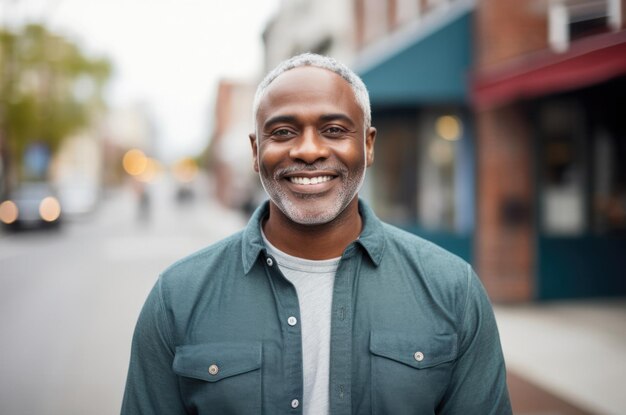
(49, 88)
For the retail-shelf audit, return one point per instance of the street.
(70, 298)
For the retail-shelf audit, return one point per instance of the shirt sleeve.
(151, 385)
(478, 383)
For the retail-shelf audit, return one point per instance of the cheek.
(269, 158)
(351, 154)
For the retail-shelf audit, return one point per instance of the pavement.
(565, 357)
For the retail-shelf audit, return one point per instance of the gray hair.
(318, 61)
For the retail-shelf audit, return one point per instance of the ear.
(370, 138)
(255, 159)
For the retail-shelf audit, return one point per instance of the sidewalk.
(530, 399)
(566, 358)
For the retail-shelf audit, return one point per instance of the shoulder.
(215, 260)
(442, 271)
(412, 247)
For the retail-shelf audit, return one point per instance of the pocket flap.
(419, 351)
(215, 361)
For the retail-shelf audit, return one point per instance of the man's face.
(312, 148)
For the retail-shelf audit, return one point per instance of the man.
(316, 307)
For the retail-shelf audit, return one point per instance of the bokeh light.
(448, 127)
(135, 162)
(50, 209)
(8, 212)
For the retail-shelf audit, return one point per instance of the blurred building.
(322, 26)
(499, 129)
(549, 92)
(500, 136)
(415, 58)
(230, 154)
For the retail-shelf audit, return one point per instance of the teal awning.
(433, 68)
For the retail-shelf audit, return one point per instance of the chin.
(307, 212)
(312, 220)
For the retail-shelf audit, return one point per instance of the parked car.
(31, 205)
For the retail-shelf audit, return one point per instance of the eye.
(282, 133)
(334, 131)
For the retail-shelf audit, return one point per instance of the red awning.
(587, 62)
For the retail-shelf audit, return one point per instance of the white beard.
(312, 214)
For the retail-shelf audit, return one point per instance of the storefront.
(581, 204)
(423, 176)
(573, 129)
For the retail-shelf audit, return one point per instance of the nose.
(309, 147)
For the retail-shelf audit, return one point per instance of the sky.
(167, 54)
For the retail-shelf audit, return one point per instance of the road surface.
(69, 299)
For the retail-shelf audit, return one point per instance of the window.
(438, 166)
(562, 168)
(608, 134)
(393, 173)
(609, 199)
(574, 19)
(582, 176)
(423, 174)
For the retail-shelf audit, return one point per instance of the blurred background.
(123, 147)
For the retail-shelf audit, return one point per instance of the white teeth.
(312, 180)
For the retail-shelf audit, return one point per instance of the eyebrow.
(337, 116)
(290, 119)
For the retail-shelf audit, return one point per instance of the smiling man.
(317, 307)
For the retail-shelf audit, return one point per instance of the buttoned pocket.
(410, 371)
(222, 378)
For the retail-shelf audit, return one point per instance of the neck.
(324, 241)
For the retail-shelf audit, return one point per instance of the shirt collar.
(372, 238)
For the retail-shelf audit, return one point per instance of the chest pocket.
(410, 372)
(222, 378)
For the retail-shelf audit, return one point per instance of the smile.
(310, 180)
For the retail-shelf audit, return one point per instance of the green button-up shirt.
(412, 332)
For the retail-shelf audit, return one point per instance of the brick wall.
(506, 29)
(504, 240)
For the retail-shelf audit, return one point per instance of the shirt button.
(295, 403)
(213, 369)
(269, 261)
(292, 321)
(419, 356)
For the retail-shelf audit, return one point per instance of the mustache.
(339, 168)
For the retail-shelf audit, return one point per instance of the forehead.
(308, 88)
